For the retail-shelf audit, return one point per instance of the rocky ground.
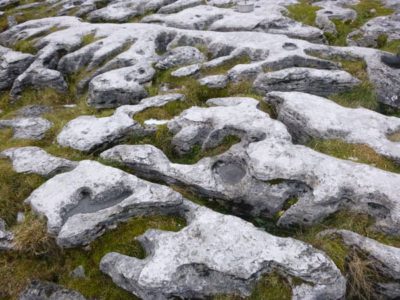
(182, 149)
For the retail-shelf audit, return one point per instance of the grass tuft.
(357, 152)
(303, 12)
(31, 237)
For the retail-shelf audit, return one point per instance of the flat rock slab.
(33, 128)
(308, 116)
(34, 160)
(81, 204)
(214, 81)
(220, 254)
(313, 81)
(89, 133)
(120, 87)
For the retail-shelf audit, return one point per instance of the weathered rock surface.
(81, 204)
(308, 116)
(180, 56)
(214, 81)
(313, 81)
(37, 161)
(268, 16)
(111, 51)
(89, 133)
(276, 168)
(120, 87)
(12, 64)
(6, 237)
(34, 110)
(220, 254)
(27, 128)
(40, 290)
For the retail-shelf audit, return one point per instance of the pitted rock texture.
(120, 87)
(144, 42)
(81, 204)
(219, 254)
(37, 161)
(89, 133)
(41, 290)
(323, 184)
(33, 128)
(180, 56)
(313, 81)
(308, 116)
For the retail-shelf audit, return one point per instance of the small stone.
(20, 217)
(78, 272)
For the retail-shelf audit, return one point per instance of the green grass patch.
(390, 46)
(88, 39)
(364, 94)
(303, 12)
(362, 153)
(26, 46)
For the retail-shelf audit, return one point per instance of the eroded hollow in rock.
(289, 46)
(87, 203)
(230, 172)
